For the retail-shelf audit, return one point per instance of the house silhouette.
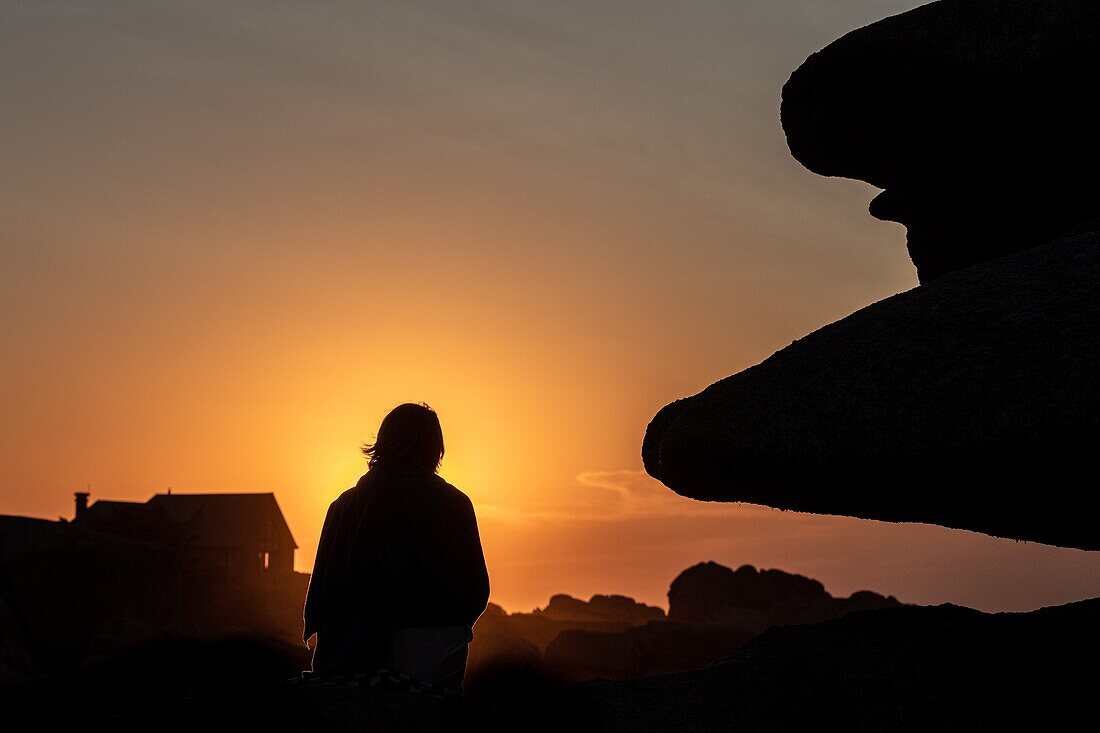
(205, 566)
(237, 538)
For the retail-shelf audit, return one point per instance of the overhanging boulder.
(972, 402)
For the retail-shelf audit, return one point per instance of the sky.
(234, 235)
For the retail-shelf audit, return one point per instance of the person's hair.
(409, 437)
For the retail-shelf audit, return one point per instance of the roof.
(226, 520)
(132, 519)
(105, 510)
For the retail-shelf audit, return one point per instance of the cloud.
(619, 495)
(625, 483)
(636, 493)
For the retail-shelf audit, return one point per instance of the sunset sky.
(231, 239)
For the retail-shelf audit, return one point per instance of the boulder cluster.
(713, 594)
(713, 610)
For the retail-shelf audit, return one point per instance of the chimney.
(81, 505)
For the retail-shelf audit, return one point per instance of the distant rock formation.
(979, 119)
(909, 668)
(709, 593)
(713, 610)
(600, 608)
(500, 636)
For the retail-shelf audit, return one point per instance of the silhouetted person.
(400, 576)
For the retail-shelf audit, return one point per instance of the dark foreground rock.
(909, 668)
(978, 117)
(971, 402)
(332, 708)
(165, 684)
(655, 648)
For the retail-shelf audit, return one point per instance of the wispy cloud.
(615, 496)
(636, 493)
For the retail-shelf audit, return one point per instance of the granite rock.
(972, 402)
(979, 118)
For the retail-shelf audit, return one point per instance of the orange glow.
(223, 262)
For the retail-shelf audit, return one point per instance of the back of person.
(400, 576)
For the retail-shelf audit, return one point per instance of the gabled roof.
(226, 520)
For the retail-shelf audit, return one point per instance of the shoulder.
(454, 495)
(341, 502)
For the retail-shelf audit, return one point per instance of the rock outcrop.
(979, 118)
(604, 613)
(600, 608)
(712, 611)
(971, 402)
(709, 593)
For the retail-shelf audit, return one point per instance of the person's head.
(409, 437)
